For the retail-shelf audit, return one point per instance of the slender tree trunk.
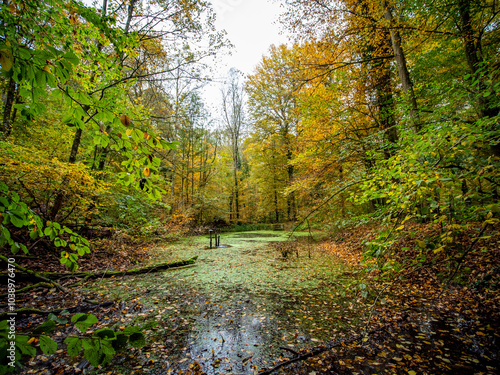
(404, 74)
(276, 210)
(291, 210)
(130, 14)
(58, 202)
(235, 175)
(7, 109)
(172, 186)
(473, 57)
(486, 106)
(231, 206)
(385, 99)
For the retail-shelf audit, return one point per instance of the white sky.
(251, 26)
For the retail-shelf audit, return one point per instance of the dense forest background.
(376, 111)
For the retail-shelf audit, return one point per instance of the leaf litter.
(244, 310)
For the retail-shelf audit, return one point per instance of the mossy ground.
(239, 304)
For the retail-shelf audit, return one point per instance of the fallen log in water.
(24, 274)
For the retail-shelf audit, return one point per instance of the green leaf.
(89, 343)
(4, 202)
(56, 319)
(156, 161)
(74, 345)
(47, 345)
(121, 342)
(14, 248)
(107, 348)
(17, 221)
(131, 330)
(81, 251)
(24, 347)
(107, 352)
(137, 135)
(105, 333)
(84, 321)
(137, 340)
(71, 57)
(149, 325)
(46, 327)
(93, 355)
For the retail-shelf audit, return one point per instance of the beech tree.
(272, 108)
(234, 118)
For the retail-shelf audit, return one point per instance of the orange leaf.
(125, 120)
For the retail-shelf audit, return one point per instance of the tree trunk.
(231, 206)
(291, 209)
(404, 74)
(7, 109)
(486, 106)
(385, 99)
(276, 210)
(236, 186)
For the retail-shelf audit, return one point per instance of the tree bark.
(7, 109)
(291, 209)
(472, 46)
(404, 74)
(385, 99)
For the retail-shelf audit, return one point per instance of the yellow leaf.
(420, 244)
(6, 59)
(147, 172)
(441, 248)
(129, 132)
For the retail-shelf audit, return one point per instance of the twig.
(466, 252)
(290, 350)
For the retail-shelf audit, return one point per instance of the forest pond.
(240, 304)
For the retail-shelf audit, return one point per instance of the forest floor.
(244, 309)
